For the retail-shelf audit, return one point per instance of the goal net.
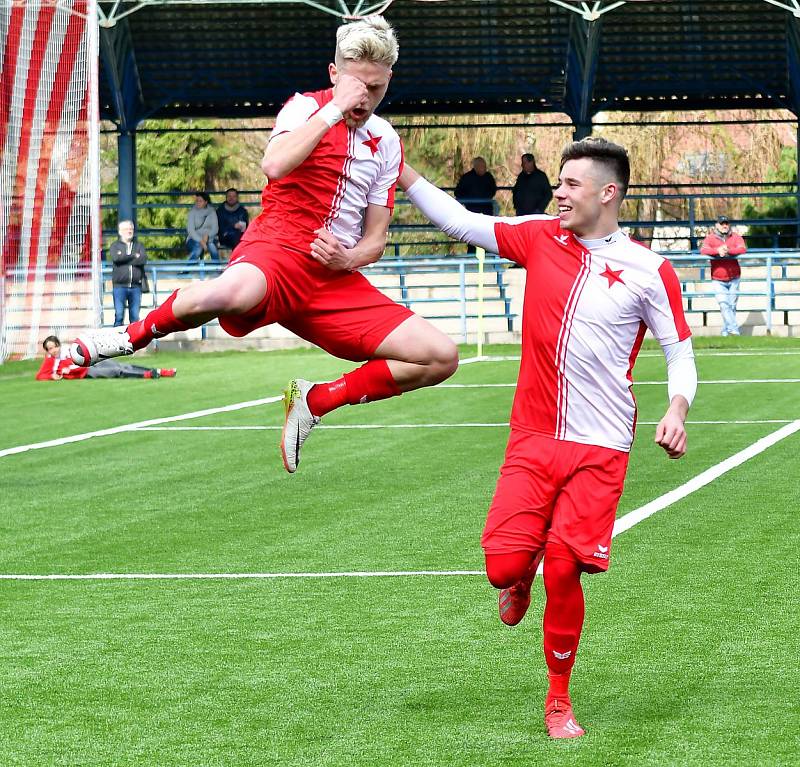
(49, 186)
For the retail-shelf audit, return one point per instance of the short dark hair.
(204, 195)
(528, 157)
(612, 156)
(50, 340)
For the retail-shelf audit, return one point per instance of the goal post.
(49, 172)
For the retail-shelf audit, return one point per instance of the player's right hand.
(350, 93)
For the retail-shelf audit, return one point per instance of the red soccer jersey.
(586, 309)
(347, 170)
(63, 367)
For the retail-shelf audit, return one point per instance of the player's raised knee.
(504, 570)
(444, 359)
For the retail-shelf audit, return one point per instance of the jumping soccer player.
(332, 167)
(591, 293)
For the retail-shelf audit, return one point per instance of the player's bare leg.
(418, 354)
(236, 291)
(413, 355)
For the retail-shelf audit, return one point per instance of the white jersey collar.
(612, 239)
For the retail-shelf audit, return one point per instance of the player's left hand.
(329, 251)
(671, 435)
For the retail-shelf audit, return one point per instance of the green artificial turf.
(689, 656)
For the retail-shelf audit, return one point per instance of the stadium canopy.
(243, 58)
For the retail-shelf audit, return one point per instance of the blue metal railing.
(415, 280)
(769, 287)
(682, 200)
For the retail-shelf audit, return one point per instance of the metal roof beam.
(116, 48)
(581, 70)
(589, 10)
(793, 6)
(338, 8)
(793, 48)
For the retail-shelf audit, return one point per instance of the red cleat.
(560, 721)
(168, 372)
(514, 601)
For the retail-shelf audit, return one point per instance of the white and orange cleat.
(560, 721)
(514, 601)
(298, 424)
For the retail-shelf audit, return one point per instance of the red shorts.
(341, 312)
(559, 491)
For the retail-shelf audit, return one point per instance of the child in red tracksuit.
(55, 367)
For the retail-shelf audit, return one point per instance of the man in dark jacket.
(532, 190)
(129, 258)
(477, 184)
(232, 218)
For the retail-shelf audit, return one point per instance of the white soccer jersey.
(349, 169)
(587, 308)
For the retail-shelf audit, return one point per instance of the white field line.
(620, 526)
(231, 576)
(697, 353)
(702, 382)
(704, 478)
(137, 425)
(142, 425)
(323, 427)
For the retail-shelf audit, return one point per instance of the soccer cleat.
(298, 424)
(560, 721)
(97, 345)
(514, 601)
(167, 372)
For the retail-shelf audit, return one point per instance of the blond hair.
(370, 39)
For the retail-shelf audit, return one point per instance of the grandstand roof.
(165, 58)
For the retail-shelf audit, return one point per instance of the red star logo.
(612, 276)
(372, 142)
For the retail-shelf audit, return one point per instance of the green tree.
(785, 235)
(173, 162)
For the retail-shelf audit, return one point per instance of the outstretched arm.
(448, 214)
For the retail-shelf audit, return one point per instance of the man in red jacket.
(724, 246)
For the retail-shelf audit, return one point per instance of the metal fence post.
(462, 279)
(770, 294)
(692, 238)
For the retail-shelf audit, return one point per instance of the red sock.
(371, 382)
(559, 688)
(156, 324)
(563, 616)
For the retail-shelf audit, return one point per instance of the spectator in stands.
(232, 218)
(475, 190)
(724, 246)
(532, 191)
(129, 258)
(56, 367)
(202, 228)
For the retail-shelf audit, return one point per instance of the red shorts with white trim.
(341, 312)
(554, 490)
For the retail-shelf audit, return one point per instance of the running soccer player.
(332, 167)
(591, 293)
